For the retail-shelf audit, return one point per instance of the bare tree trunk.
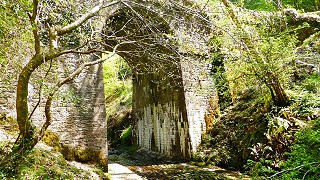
(280, 98)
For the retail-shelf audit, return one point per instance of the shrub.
(304, 159)
(126, 136)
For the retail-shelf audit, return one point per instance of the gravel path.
(119, 172)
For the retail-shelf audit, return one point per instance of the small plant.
(260, 168)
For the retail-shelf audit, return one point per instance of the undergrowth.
(45, 164)
(264, 140)
(304, 159)
(38, 165)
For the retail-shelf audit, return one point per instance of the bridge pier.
(169, 108)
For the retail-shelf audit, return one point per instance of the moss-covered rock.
(8, 123)
(52, 139)
(81, 155)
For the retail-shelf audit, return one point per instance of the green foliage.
(306, 96)
(312, 83)
(126, 136)
(118, 92)
(220, 79)
(306, 5)
(304, 159)
(229, 142)
(12, 15)
(282, 124)
(62, 13)
(258, 54)
(260, 168)
(262, 5)
(270, 5)
(14, 38)
(117, 84)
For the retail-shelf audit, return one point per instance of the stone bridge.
(171, 87)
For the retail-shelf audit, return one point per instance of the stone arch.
(171, 92)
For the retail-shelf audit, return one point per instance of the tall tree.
(262, 66)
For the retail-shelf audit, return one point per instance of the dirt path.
(150, 165)
(119, 172)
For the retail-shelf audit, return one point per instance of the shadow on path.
(153, 166)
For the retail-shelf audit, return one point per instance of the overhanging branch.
(85, 17)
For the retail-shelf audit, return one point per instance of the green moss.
(8, 123)
(52, 139)
(44, 164)
(85, 155)
(81, 155)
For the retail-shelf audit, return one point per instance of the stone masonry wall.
(199, 89)
(78, 109)
(83, 121)
(171, 87)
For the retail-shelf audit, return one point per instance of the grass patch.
(44, 164)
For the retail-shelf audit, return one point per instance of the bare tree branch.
(298, 167)
(84, 18)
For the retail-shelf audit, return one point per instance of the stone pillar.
(199, 89)
(78, 110)
(80, 119)
(169, 108)
(159, 110)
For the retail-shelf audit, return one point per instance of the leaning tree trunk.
(27, 138)
(279, 96)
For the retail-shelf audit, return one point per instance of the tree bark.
(280, 98)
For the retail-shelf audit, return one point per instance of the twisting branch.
(40, 90)
(75, 51)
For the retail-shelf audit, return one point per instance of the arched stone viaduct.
(171, 87)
